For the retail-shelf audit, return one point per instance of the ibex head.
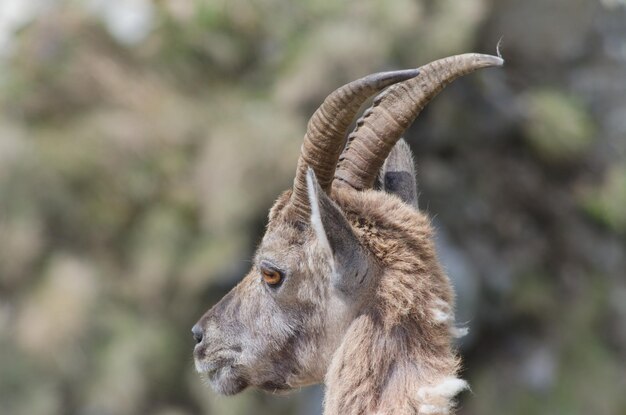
(341, 265)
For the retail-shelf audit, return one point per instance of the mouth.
(211, 368)
(222, 373)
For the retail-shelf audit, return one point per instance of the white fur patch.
(447, 388)
(432, 409)
(440, 316)
(458, 332)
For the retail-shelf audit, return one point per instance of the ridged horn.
(327, 129)
(393, 111)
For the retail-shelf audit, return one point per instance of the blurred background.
(143, 142)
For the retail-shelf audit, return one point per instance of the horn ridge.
(393, 111)
(327, 130)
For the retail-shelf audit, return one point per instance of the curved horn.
(393, 111)
(327, 129)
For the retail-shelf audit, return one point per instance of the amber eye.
(271, 276)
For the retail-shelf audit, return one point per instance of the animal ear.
(397, 176)
(349, 260)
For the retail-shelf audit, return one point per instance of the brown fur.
(394, 347)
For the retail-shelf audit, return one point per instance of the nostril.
(197, 333)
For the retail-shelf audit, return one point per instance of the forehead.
(283, 241)
(282, 230)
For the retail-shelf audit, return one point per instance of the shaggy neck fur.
(396, 356)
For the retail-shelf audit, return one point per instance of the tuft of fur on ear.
(313, 190)
(349, 261)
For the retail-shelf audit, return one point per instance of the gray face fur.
(281, 337)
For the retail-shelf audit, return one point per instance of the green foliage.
(607, 202)
(558, 127)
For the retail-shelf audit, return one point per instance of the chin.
(276, 388)
(226, 381)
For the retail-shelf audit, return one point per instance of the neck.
(396, 356)
(404, 367)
